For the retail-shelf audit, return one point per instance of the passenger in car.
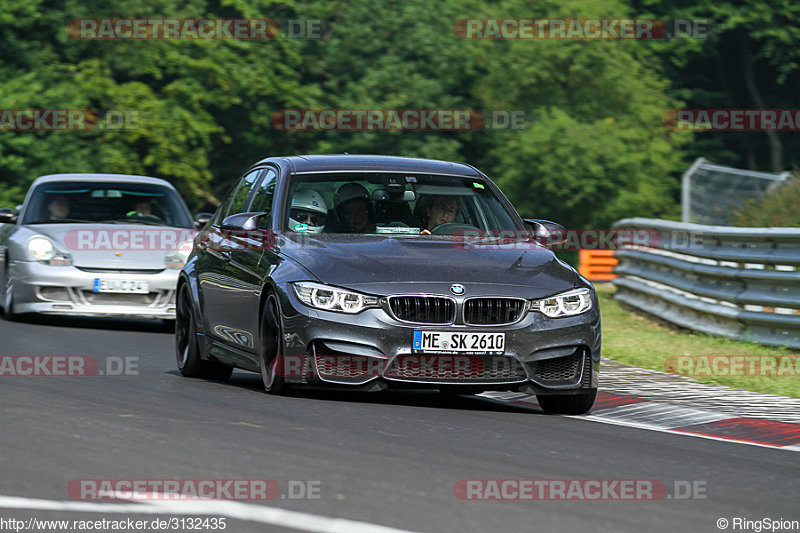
(354, 209)
(309, 212)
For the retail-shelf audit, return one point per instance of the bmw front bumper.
(541, 355)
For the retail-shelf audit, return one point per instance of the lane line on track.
(230, 509)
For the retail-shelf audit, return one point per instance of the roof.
(318, 163)
(124, 178)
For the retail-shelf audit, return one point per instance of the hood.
(124, 246)
(369, 263)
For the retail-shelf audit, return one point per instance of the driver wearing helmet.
(308, 212)
(353, 206)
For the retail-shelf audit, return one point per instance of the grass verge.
(643, 341)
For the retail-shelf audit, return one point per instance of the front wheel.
(187, 348)
(8, 302)
(567, 404)
(271, 352)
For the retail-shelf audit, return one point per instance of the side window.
(262, 200)
(219, 214)
(239, 200)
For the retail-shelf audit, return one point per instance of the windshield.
(402, 204)
(134, 203)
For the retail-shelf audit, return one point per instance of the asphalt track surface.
(387, 459)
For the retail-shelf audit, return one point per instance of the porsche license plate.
(456, 342)
(134, 286)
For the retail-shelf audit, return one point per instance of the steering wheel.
(146, 218)
(448, 228)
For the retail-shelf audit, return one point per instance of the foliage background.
(595, 148)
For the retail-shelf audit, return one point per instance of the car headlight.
(42, 249)
(568, 303)
(176, 259)
(332, 298)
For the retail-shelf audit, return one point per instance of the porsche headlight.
(176, 259)
(41, 249)
(333, 298)
(568, 303)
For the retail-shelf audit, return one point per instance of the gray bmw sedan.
(371, 272)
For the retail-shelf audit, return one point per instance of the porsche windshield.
(109, 202)
(397, 203)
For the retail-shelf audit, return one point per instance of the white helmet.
(310, 203)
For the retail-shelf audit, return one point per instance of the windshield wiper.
(61, 221)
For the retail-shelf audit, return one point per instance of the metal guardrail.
(742, 283)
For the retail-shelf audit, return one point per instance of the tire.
(187, 348)
(567, 404)
(8, 303)
(271, 348)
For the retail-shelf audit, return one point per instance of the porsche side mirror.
(201, 219)
(7, 216)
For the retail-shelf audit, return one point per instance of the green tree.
(748, 60)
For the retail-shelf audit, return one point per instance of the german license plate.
(121, 285)
(457, 342)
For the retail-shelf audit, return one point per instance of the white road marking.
(231, 509)
(626, 380)
(661, 414)
(616, 422)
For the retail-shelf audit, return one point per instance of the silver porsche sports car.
(94, 245)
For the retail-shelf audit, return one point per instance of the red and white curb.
(644, 413)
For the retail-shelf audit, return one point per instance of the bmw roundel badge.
(457, 289)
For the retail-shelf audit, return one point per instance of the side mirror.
(7, 216)
(242, 221)
(201, 219)
(547, 232)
